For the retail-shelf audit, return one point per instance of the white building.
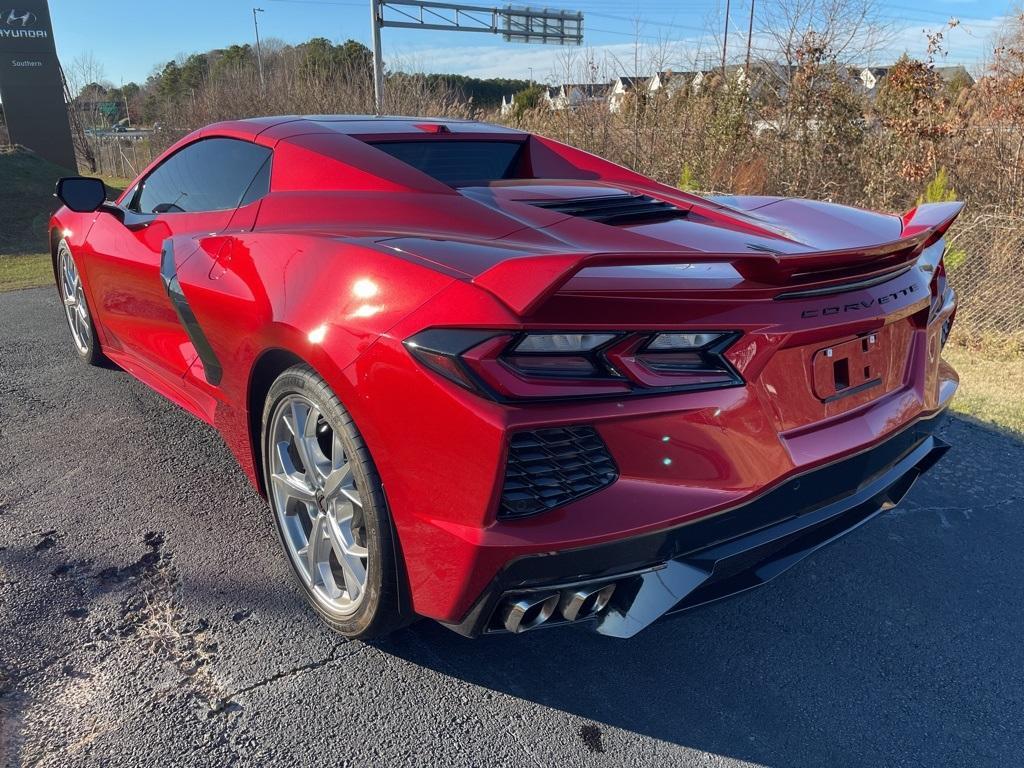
(623, 86)
(573, 95)
(669, 82)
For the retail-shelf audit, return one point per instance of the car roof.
(356, 125)
(273, 131)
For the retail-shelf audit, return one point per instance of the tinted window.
(210, 175)
(457, 161)
(260, 184)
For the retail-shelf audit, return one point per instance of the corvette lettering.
(859, 306)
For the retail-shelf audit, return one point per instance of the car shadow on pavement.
(898, 645)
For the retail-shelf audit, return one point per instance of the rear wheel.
(329, 508)
(76, 308)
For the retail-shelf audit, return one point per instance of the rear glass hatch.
(459, 162)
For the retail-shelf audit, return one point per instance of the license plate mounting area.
(844, 369)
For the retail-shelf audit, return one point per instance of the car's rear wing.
(523, 283)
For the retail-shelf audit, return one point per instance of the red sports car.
(487, 378)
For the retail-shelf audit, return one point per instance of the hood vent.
(613, 209)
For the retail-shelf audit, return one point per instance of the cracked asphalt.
(147, 618)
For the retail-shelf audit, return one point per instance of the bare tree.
(847, 30)
(86, 70)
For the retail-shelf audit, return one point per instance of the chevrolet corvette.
(484, 377)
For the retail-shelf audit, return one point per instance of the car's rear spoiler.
(523, 283)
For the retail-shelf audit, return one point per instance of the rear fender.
(323, 299)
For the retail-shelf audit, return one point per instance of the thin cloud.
(968, 43)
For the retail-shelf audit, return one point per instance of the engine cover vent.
(613, 209)
(550, 467)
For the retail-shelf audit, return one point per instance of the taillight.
(939, 295)
(440, 350)
(939, 286)
(515, 365)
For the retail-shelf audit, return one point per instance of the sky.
(128, 38)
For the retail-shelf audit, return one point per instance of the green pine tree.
(939, 191)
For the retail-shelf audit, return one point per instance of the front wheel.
(76, 308)
(329, 507)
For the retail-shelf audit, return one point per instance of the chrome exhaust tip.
(528, 612)
(584, 602)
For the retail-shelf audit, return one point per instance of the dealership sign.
(31, 83)
(18, 22)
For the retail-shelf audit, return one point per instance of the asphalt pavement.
(147, 618)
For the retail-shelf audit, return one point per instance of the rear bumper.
(733, 551)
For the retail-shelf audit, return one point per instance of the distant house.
(697, 80)
(871, 77)
(769, 79)
(955, 74)
(669, 83)
(550, 97)
(762, 79)
(736, 73)
(623, 86)
(507, 104)
(572, 95)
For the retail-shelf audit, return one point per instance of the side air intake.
(550, 467)
(613, 209)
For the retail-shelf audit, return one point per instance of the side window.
(260, 184)
(209, 175)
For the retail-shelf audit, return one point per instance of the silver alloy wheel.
(318, 506)
(75, 308)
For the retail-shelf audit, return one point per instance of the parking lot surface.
(147, 618)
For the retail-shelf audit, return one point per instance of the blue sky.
(129, 38)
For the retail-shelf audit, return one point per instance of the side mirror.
(82, 194)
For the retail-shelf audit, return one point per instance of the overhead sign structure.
(31, 85)
(519, 25)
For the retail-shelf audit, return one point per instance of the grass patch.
(25, 271)
(26, 200)
(991, 386)
(26, 204)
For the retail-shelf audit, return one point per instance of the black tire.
(83, 338)
(381, 609)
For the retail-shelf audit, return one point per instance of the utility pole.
(259, 53)
(725, 38)
(378, 62)
(750, 36)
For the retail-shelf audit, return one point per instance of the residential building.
(623, 86)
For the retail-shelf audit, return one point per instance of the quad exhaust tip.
(520, 614)
(585, 602)
(528, 612)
